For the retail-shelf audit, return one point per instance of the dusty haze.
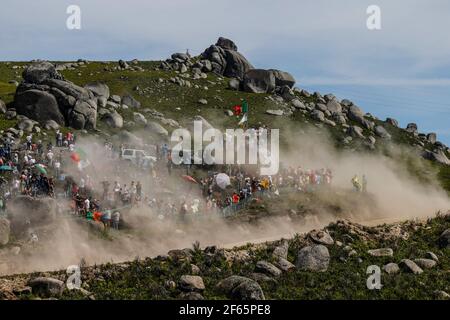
(397, 196)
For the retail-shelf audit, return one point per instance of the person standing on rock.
(59, 138)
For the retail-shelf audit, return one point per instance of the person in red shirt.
(235, 198)
(97, 216)
(69, 137)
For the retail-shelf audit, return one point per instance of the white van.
(135, 155)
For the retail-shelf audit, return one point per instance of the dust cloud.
(395, 195)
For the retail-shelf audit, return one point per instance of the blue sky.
(400, 71)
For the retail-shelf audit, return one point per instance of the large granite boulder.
(40, 71)
(283, 78)
(437, 156)
(226, 44)
(382, 132)
(259, 81)
(356, 114)
(226, 60)
(113, 119)
(44, 95)
(83, 115)
(99, 89)
(38, 105)
(236, 65)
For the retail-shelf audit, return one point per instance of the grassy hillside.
(153, 88)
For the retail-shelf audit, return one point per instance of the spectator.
(115, 220)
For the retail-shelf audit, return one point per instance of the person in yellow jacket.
(356, 183)
(265, 183)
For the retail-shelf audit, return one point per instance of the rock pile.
(44, 95)
(224, 59)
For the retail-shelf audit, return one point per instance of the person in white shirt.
(50, 158)
(87, 204)
(57, 166)
(16, 186)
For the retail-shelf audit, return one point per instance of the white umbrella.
(223, 180)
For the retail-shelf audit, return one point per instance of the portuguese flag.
(244, 106)
(237, 110)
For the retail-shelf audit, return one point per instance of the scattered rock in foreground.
(382, 252)
(284, 265)
(321, 237)
(444, 239)
(432, 256)
(425, 263)
(240, 288)
(391, 268)
(281, 250)
(410, 266)
(275, 112)
(313, 258)
(191, 283)
(46, 287)
(267, 268)
(440, 294)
